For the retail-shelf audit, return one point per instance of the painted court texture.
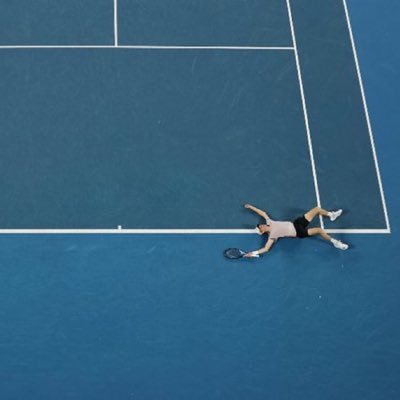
(104, 135)
(168, 116)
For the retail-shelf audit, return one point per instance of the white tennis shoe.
(339, 245)
(335, 214)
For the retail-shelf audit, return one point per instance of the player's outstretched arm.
(261, 213)
(263, 250)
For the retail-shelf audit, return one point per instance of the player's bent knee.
(314, 231)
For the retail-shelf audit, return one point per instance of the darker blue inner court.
(182, 138)
(204, 23)
(149, 139)
(49, 22)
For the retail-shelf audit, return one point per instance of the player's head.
(262, 229)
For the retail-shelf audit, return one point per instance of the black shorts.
(300, 224)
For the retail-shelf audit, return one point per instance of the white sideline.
(303, 100)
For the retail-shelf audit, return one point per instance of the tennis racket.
(234, 253)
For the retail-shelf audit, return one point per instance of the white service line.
(206, 47)
(144, 47)
(367, 117)
(115, 23)
(303, 100)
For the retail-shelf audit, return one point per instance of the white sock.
(334, 214)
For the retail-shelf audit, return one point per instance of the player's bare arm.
(261, 213)
(263, 250)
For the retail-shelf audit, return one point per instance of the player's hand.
(251, 254)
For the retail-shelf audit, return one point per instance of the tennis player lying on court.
(297, 228)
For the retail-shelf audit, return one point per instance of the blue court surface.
(165, 117)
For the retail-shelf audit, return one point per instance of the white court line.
(130, 231)
(303, 100)
(170, 231)
(367, 116)
(357, 230)
(207, 47)
(115, 23)
(150, 47)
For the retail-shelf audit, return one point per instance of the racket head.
(234, 253)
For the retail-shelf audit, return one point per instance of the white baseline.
(168, 231)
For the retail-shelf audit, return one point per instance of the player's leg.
(319, 231)
(310, 215)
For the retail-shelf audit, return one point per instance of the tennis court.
(164, 118)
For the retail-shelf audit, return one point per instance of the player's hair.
(259, 230)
